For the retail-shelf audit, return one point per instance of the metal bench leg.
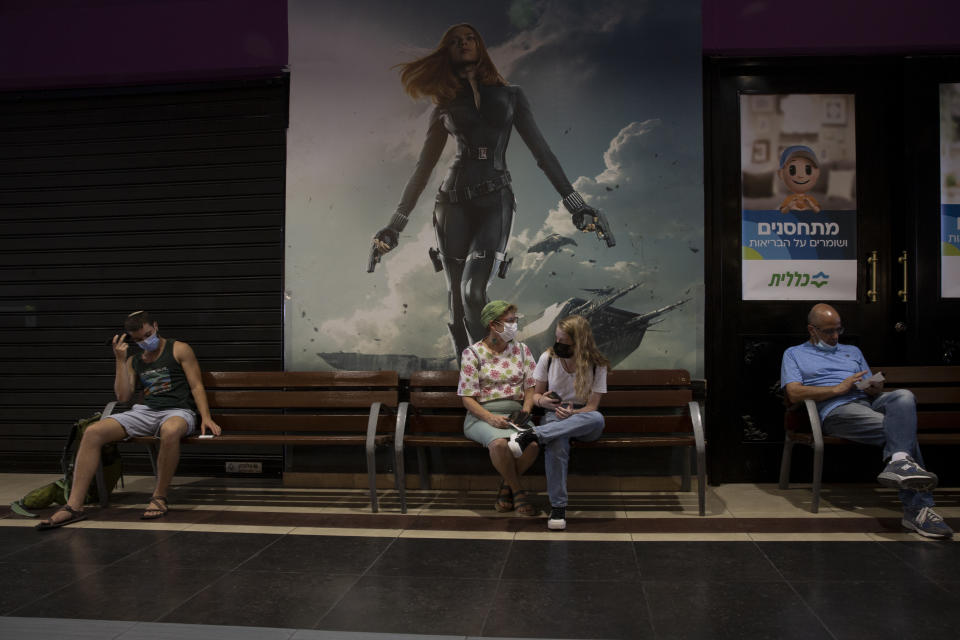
(702, 480)
(372, 475)
(152, 451)
(102, 487)
(785, 462)
(400, 475)
(685, 479)
(817, 475)
(423, 463)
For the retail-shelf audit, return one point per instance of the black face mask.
(563, 350)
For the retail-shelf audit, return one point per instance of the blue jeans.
(555, 438)
(888, 421)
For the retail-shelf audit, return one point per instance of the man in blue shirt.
(827, 372)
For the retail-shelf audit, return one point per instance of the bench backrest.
(304, 401)
(637, 401)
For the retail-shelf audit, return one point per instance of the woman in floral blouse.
(496, 380)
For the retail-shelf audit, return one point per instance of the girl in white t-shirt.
(575, 373)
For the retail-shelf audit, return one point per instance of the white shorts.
(141, 420)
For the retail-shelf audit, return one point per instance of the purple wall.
(810, 27)
(69, 43)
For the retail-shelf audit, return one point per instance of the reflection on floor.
(310, 563)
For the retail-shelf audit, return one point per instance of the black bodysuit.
(474, 209)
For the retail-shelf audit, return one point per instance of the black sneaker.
(519, 442)
(558, 519)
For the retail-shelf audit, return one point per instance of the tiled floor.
(304, 564)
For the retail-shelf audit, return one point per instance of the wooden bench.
(937, 389)
(306, 408)
(642, 408)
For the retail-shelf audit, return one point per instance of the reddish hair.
(434, 76)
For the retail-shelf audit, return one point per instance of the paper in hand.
(876, 378)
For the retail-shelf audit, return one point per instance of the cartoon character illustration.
(799, 170)
(474, 210)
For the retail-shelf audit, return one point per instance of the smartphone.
(552, 395)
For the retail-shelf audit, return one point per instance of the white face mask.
(509, 331)
(823, 346)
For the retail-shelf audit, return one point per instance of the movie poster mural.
(441, 155)
(950, 190)
(799, 222)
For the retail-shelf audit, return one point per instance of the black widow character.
(475, 205)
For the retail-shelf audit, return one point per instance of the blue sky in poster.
(615, 89)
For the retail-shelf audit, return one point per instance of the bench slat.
(434, 378)
(300, 399)
(300, 422)
(648, 377)
(281, 379)
(647, 398)
(277, 440)
(436, 400)
(908, 376)
(936, 395)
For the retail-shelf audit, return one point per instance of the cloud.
(560, 22)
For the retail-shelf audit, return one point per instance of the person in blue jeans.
(827, 372)
(575, 373)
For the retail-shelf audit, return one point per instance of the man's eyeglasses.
(829, 332)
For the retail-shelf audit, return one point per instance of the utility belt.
(475, 191)
(499, 256)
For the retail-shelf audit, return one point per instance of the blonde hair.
(433, 76)
(586, 356)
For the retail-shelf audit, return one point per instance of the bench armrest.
(815, 427)
(402, 410)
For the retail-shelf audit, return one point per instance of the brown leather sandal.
(504, 501)
(523, 506)
(156, 508)
(75, 516)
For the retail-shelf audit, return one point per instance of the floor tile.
(937, 560)
(61, 629)
(837, 561)
(322, 554)
(15, 540)
(315, 634)
(294, 600)
(413, 605)
(480, 559)
(94, 546)
(121, 592)
(196, 550)
(23, 582)
(734, 610)
(171, 631)
(704, 561)
(882, 610)
(569, 609)
(612, 561)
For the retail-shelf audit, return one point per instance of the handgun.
(374, 258)
(602, 227)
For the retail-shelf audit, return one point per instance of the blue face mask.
(826, 348)
(149, 344)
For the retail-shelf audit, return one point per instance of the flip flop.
(157, 504)
(75, 516)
